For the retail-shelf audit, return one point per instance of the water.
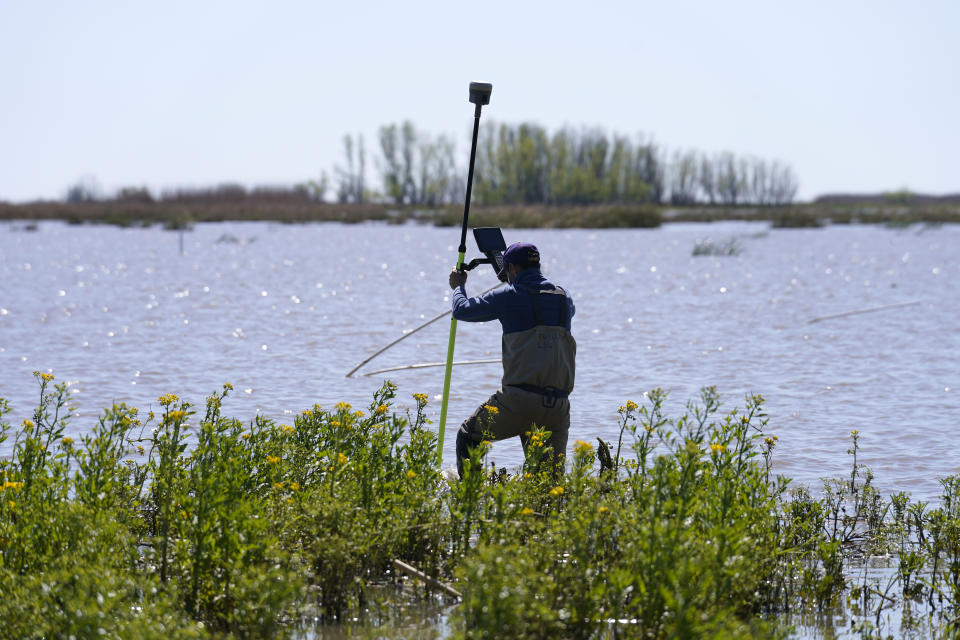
(284, 311)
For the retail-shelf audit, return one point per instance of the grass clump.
(707, 247)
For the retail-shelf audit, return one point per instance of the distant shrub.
(795, 218)
(134, 194)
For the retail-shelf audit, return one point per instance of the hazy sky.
(856, 96)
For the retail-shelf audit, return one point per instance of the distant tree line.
(516, 164)
(525, 164)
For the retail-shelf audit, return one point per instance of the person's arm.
(480, 309)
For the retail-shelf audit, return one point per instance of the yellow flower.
(46, 377)
(770, 442)
(411, 474)
(227, 386)
(67, 441)
(854, 433)
(342, 459)
(382, 409)
(278, 485)
(526, 511)
(176, 416)
(273, 459)
(13, 485)
(11, 503)
(129, 462)
(581, 446)
(141, 450)
(307, 413)
(294, 486)
(28, 424)
(602, 510)
(287, 428)
(631, 405)
(342, 406)
(718, 448)
(527, 476)
(358, 414)
(245, 435)
(556, 491)
(492, 410)
(421, 398)
(335, 424)
(167, 399)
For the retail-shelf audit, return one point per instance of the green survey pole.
(479, 96)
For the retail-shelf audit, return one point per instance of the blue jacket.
(538, 348)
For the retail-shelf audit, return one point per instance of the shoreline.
(179, 215)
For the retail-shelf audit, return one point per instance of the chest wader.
(515, 412)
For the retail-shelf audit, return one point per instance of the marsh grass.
(708, 247)
(187, 523)
(177, 214)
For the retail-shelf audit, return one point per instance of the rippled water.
(283, 312)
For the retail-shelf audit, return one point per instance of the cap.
(522, 253)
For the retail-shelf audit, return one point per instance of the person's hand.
(457, 278)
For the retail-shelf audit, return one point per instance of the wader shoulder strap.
(538, 312)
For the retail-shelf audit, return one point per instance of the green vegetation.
(177, 215)
(189, 526)
(524, 164)
(528, 217)
(708, 247)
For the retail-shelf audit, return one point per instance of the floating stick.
(425, 365)
(433, 582)
(411, 332)
(870, 310)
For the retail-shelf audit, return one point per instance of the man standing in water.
(538, 355)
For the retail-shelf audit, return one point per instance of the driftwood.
(433, 582)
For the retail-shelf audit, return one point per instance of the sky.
(856, 96)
